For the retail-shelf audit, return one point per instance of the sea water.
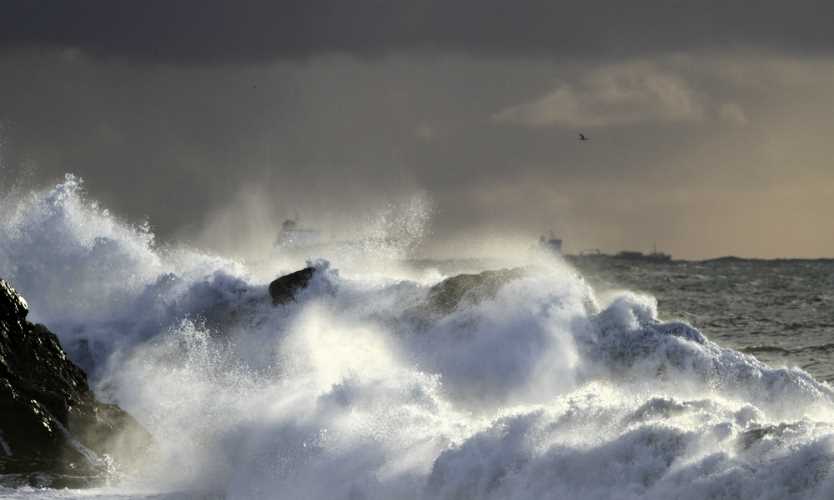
(581, 380)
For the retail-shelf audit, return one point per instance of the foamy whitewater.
(547, 390)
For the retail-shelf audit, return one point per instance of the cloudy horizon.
(708, 123)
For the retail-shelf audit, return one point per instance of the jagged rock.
(453, 294)
(284, 289)
(447, 295)
(442, 298)
(53, 431)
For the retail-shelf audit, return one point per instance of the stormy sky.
(710, 122)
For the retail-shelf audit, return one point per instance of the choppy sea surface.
(781, 311)
(596, 380)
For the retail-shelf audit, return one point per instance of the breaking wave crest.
(364, 388)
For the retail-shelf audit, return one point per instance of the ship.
(654, 256)
(296, 239)
(293, 235)
(596, 254)
(551, 244)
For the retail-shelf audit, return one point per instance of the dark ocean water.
(781, 311)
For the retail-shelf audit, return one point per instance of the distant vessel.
(293, 235)
(654, 256)
(551, 244)
(592, 253)
(295, 239)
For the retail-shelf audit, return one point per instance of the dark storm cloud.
(212, 31)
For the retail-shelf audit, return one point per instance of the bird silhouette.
(582, 137)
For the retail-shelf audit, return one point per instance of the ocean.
(781, 311)
(586, 378)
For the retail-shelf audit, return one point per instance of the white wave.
(354, 391)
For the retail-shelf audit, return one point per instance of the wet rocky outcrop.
(443, 298)
(454, 294)
(53, 430)
(450, 293)
(284, 289)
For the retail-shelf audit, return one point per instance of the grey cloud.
(221, 155)
(612, 95)
(733, 113)
(219, 31)
(627, 93)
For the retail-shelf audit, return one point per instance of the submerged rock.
(53, 431)
(456, 293)
(447, 295)
(284, 289)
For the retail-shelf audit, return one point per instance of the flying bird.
(582, 137)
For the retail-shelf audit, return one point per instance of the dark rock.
(284, 289)
(450, 293)
(453, 294)
(53, 431)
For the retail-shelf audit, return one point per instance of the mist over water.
(549, 389)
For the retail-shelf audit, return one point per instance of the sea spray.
(358, 389)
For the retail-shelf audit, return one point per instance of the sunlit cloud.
(614, 95)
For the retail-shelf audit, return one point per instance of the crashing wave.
(520, 384)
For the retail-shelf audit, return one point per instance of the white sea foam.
(356, 391)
